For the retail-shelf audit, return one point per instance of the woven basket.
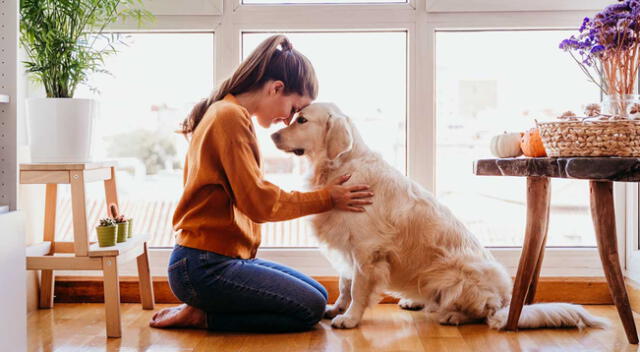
(591, 138)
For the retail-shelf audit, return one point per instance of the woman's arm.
(259, 199)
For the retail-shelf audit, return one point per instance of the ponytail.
(273, 59)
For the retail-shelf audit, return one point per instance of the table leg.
(112, 296)
(538, 197)
(47, 278)
(603, 215)
(144, 277)
(79, 214)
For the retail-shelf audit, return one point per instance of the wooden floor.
(80, 327)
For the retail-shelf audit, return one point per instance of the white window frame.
(633, 233)
(444, 6)
(184, 7)
(421, 22)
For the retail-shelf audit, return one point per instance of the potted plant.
(123, 228)
(107, 232)
(59, 38)
(130, 221)
(607, 50)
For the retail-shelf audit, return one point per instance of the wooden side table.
(81, 254)
(600, 172)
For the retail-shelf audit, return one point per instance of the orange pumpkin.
(531, 144)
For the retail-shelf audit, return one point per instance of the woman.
(213, 269)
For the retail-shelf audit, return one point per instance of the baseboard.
(633, 290)
(580, 290)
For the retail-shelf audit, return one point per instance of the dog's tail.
(548, 315)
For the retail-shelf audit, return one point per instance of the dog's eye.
(301, 120)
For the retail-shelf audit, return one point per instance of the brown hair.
(273, 59)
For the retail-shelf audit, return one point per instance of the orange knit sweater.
(225, 196)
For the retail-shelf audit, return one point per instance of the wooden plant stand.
(81, 254)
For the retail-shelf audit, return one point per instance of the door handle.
(4, 99)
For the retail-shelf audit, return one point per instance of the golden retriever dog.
(406, 244)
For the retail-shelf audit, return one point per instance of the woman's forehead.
(303, 101)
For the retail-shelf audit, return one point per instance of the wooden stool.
(81, 254)
(601, 172)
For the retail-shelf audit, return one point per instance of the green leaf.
(59, 37)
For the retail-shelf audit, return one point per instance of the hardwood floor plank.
(385, 327)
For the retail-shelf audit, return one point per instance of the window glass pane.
(365, 75)
(155, 81)
(321, 1)
(495, 81)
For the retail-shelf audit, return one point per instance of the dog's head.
(320, 130)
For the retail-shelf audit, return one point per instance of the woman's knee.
(324, 292)
(315, 304)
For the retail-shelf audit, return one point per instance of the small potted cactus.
(107, 232)
(123, 227)
(121, 222)
(130, 221)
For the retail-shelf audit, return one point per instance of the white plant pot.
(60, 129)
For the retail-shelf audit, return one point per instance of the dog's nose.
(276, 137)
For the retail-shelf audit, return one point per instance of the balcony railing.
(154, 217)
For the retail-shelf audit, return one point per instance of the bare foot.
(182, 316)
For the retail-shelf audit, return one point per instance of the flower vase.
(621, 105)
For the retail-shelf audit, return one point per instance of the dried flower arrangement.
(607, 47)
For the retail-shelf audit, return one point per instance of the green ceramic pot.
(130, 234)
(123, 231)
(107, 235)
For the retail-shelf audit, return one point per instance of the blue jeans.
(251, 295)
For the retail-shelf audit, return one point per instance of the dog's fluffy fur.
(406, 243)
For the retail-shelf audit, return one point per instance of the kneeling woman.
(213, 268)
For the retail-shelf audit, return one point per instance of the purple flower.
(634, 5)
(617, 8)
(613, 33)
(584, 24)
(570, 43)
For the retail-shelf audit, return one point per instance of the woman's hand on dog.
(351, 198)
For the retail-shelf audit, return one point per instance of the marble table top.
(624, 169)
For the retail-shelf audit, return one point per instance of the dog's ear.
(338, 139)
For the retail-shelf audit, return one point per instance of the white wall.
(13, 321)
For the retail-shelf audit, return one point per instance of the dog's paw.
(410, 305)
(344, 321)
(431, 308)
(452, 318)
(498, 320)
(331, 311)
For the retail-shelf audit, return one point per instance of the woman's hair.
(274, 59)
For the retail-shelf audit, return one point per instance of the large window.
(364, 73)
(426, 82)
(495, 81)
(153, 82)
